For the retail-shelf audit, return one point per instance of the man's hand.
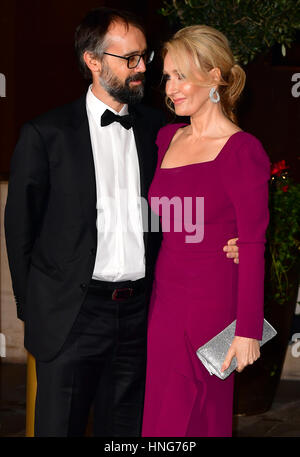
(232, 250)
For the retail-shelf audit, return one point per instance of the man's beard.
(122, 92)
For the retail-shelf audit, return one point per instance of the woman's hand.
(246, 351)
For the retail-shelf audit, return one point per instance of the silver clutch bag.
(212, 354)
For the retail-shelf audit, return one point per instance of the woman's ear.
(215, 74)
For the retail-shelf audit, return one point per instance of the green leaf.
(260, 24)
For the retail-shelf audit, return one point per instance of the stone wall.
(10, 326)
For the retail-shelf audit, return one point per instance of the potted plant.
(283, 232)
(256, 385)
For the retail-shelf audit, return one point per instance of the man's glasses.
(134, 60)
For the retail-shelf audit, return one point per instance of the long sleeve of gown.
(245, 177)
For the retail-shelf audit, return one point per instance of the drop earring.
(214, 95)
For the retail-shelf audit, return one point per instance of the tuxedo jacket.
(50, 218)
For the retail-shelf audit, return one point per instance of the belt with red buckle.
(104, 289)
(122, 294)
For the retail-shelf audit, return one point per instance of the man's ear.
(92, 62)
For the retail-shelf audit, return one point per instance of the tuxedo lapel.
(144, 146)
(139, 135)
(84, 164)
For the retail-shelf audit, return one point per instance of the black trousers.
(102, 364)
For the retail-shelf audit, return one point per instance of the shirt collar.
(97, 107)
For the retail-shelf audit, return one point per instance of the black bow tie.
(108, 117)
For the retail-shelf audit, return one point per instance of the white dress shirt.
(120, 251)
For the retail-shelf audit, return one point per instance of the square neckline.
(196, 163)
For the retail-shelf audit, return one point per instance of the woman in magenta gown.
(197, 290)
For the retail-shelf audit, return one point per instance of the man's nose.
(141, 67)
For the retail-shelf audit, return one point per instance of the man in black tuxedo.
(81, 281)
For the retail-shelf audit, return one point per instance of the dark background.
(38, 60)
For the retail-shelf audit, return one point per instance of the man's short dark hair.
(91, 32)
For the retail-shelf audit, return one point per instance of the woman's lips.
(177, 101)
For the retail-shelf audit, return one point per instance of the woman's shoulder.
(246, 138)
(247, 148)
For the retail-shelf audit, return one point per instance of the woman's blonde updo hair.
(207, 48)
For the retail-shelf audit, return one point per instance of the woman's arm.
(245, 176)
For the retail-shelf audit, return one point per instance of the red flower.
(278, 167)
(285, 188)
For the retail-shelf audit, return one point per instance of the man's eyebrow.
(132, 53)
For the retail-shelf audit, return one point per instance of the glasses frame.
(151, 56)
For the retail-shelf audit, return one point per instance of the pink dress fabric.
(198, 290)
